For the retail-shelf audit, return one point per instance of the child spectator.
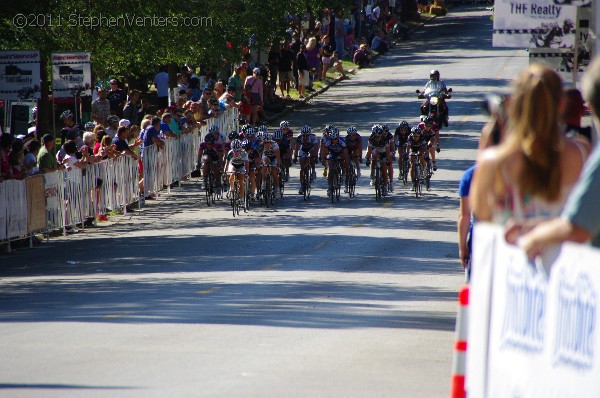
(31, 151)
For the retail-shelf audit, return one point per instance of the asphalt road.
(309, 299)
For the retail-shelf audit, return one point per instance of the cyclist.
(415, 146)
(210, 158)
(307, 146)
(233, 135)
(355, 149)
(379, 147)
(285, 151)
(271, 156)
(254, 163)
(237, 160)
(333, 149)
(322, 141)
(284, 126)
(400, 137)
(431, 133)
(218, 140)
(390, 138)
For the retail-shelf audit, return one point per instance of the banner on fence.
(533, 24)
(543, 321)
(36, 204)
(19, 75)
(71, 72)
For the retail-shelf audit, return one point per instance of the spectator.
(574, 110)
(580, 219)
(303, 70)
(132, 108)
(101, 108)
(313, 56)
(31, 151)
(71, 130)
(227, 101)
(89, 143)
(113, 125)
(182, 81)
(219, 89)
(144, 108)
(253, 84)
(121, 142)
(151, 135)
(235, 81)
(327, 50)
(206, 95)
(190, 123)
(161, 82)
(350, 42)
(295, 49)
(165, 126)
(116, 97)
(70, 161)
(246, 105)
(362, 56)
(213, 104)
(16, 157)
(531, 173)
(46, 157)
(106, 149)
(338, 65)
(379, 43)
(273, 59)
(340, 32)
(244, 71)
(194, 91)
(100, 133)
(286, 75)
(134, 140)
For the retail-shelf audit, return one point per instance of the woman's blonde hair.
(534, 131)
(312, 43)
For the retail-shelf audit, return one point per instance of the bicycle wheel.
(405, 169)
(377, 183)
(417, 179)
(306, 181)
(281, 185)
(268, 192)
(351, 180)
(234, 197)
(338, 182)
(247, 195)
(207, 189)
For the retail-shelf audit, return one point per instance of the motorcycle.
(435, 104)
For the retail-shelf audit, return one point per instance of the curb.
(289, 109)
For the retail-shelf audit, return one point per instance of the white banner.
(71, 72)
(19, 75)
(533, 24)
(543, 331)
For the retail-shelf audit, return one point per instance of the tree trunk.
(43, 125)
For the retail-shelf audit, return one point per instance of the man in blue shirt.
(465, 219)
(121, 144)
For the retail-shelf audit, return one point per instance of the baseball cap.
(256, 70)
(113, 81)
(124, 123)
(47, 138)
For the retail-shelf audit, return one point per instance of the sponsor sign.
(19, 75)
(533, 24)
(71, 75)
(543, 322)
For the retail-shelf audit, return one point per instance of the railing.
(63, 199)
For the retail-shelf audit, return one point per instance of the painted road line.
(117, 315)
(208, 291)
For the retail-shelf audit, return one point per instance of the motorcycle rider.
(436, 85)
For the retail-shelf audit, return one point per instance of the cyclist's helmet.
(376, 129)
(90, 125)
(244, 128)
(385, 128)
(415, 130)
(327, 128)
(236, 145)
(434, 73)
(246, 144)
(428, 121)
(278, 134)
(66, 114)
(268, 137)
(233, 135)
(352, 130)
(260, 136)
(250, 132)
(404, 125)
(209, 139)
(305, 130)
(213, 129)
(334, 133)
(263, 128)
(284, 124)
(113, 119)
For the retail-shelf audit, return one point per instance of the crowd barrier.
(63, 199)
(533, 325)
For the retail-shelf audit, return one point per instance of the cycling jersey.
(306, 143)
(335, 149)
(284, 146)
(431, 132)
(353, 141)
(378, 146)
(414, 143)
(237, 159)
(289, 134)
(271, 151)
(400, 138)
(211, 153)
